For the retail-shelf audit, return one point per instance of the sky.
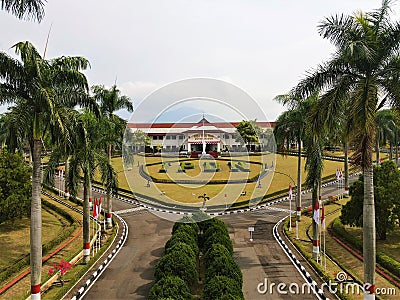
(263, 47)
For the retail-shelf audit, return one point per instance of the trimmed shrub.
(215, 251)
(181, 236)
(388, 263)
(218, 238)
(222, 287)
(216, 228)
(224, 265)
(182, 247)
(177, 263)
(170, 287)
(187, 228)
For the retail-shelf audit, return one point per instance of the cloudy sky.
(262, 46)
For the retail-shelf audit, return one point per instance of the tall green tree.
(87, 157)
(15, 187)
(39, 88)
(386, 187)
(290, 127)
(364, 72)
(385, 123)
(110, 101)
(248, 132)
(24, 9)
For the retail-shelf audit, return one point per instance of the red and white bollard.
(35, 292)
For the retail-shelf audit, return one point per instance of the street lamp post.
(290, 202)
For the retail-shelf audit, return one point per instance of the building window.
(173, 137)
(181, 137)
(168, 137)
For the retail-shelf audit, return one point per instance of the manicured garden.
(60, 224)
(387, 255)
(185, 194)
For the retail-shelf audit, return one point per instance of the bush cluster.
(224, 278)
(177, 269)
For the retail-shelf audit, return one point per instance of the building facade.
(194, 138)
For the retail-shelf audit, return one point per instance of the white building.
(189, 137)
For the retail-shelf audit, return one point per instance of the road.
(130, 274)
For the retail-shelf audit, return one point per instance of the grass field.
(14, 238)
(188, 194)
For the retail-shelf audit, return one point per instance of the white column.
(189, 147)
(219, 147)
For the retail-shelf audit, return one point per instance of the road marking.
(124, 211)
(279, 209)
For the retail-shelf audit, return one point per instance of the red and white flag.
(323, 216)
(316, 213)
(340, 174)
(290, 192)
(95, 209)
(100, 203)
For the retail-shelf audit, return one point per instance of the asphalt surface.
(130, 274)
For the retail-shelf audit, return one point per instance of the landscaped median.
(340, 259)
(198, 263)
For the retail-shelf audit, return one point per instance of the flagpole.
(325, 246)
(290, 206)
(320, 232)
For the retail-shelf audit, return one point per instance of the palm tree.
(39, 87)
(290, 127)
(364, 73)
(87, 156)
(14, 131)
(111, 101)
(28, 9)
(385, 122)
(205, 199)
(314, 167)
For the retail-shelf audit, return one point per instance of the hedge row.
(224, 279)
(177, 268)
(390, 264)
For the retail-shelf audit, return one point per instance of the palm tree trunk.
(109, 201)
(346, 166)
(298, 196)
(86, 218)
(369, 233)
(396, 148)
(391, 150)
(377, 149)
(36, 222)
(315, 231)
(66, 177)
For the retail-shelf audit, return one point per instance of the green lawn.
(188, 194)
(14, 238)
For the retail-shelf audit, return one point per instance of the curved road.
(130, 274)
